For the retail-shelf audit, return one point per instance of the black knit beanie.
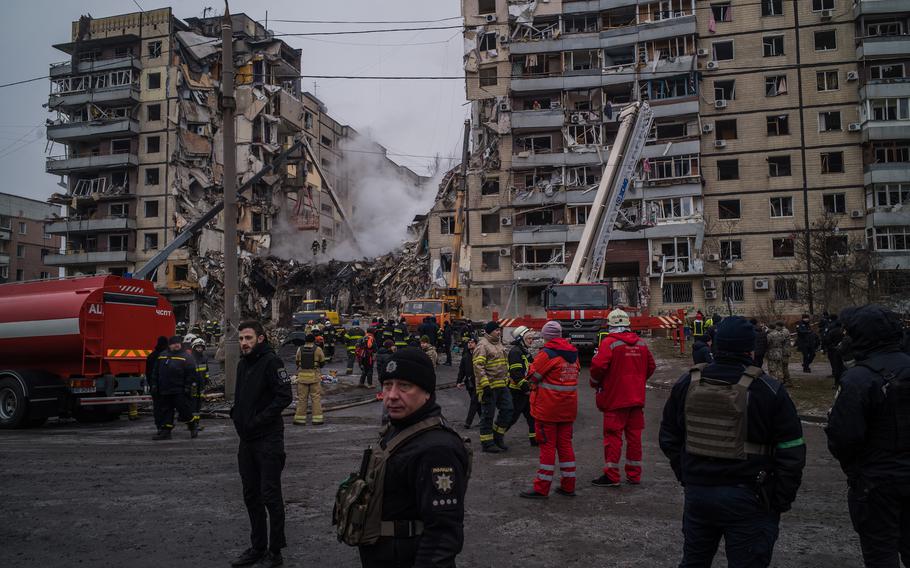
(413, 365)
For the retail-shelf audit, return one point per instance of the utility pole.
(229, 185)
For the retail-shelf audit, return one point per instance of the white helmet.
(190, 338)
(198, 341)
(520, 331)
(618, 318)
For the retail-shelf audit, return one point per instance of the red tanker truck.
(76, 346)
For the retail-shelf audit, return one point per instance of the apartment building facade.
(547, 82)
(136, 143)
(24, 243)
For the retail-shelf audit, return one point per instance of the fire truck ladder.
(617, 176)
(93, 346)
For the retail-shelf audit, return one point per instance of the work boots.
(500, 441)
(491, 448)
(194, 428)
(248, 557)
(163, 434)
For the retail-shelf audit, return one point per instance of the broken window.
(490, 297)
(890, 152)
(307, 120)
(731, 250)
(154, 49)
(152, 176)
(490, 186)
(734, 291)
(487, 77)
(836, 245)
(682, 86)
(781, 207)
(123, 51)
(151, 241)
(886, 195)
(120, 180)
(779, 166)
(722, 12)
(445, 261)
(181, 272)
(819, 5)
(725, 129)
(778, 125)
(667, 130)
(582, 176)
(725, 90)
(326, 141)
(579, 215)
(581, 24)
(486, 6)
(887, 71)
(835, 203)
(489, 261)
(151, 208)
(772, 7)
(826, 80)
(784, 247)
(153, 144)
(673, 167)
(722, 50)
(538, 218)
(832, 162)
(536, 144)
(773, 46)
(825, 40)
(890, 108)
(584, 135)
(153, 81)
(120, 146)
(829, 121)
(447, 224)
(489, 223)
(539, 256)
(584, 60)
(673, 207)
(728, 209)
(117, 243)
(674, 256)
(153, 112)
(487, 42)
(776, 85)
(785, 289)
(119, 210)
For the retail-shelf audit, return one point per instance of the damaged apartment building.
(547, 82)
(135, 139)
(775, 175)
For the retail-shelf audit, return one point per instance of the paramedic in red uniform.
(619, 372)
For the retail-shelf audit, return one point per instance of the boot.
(532, 495)
(248, 557)
(194, 429)
(270, 560)
(163, 434)
(490, 448)
(500, 441)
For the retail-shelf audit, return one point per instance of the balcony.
(4, 259)
(537, 160)
(583, 6)
(539, 272)
(72, 131)
(66, 164)
(883, 47)
(683, 147)
(885, 88)
(65, 68)
(674, 108)
(894, 172)
(886, 130)
(543, 118)
(888, 260)
(120, 94)
(610, 38)
(878, 7)
(536, 234)
(76, 226)
(75, 258)
(5, 234)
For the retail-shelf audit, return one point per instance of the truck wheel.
(13, 406)
(95, 415)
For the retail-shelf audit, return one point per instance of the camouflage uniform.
(779, 354)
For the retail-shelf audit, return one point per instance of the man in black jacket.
(831, 341)
(175, 375)
(701, 350)
(520, 388)
(761, 343)
(263, 390)
(466, 381)
(448, 335)
(869, 434)
(425, 478)
(151, 371)
(734, 490)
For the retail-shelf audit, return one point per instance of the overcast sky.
(422, 118)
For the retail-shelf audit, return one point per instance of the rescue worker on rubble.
(554, 403)
(426, 476)
(263, 391)
(174, 378)
(519, 387)
(310, 359)
(400, 333)
(735, 442)
(466, 381)
(202, 372)
(352, 338)
(330, 336)
(868, 434)
(151, 373)
(619, 373)
(491, 370)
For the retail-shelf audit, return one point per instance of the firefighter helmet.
(520, 331)
(618, 318)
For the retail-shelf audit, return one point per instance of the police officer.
(869, 434)
(263, 390)
(735, 442)
(519, 387)
(202, 373)
(426, 476)
(173, 379)
(352, 338)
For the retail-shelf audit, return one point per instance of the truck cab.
(581, 309)
(414, 311)
(314, 310)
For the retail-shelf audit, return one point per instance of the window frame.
(147, 205)
(775, 121)
(149, 175)
(148, 144)
(836, 199)
(498, 227)
(779, 247)
(447, 224)
(773, 45)
(832, 31)
(728, 163)
(822, 4)
(720, 209)
(781, 207)
(488, 81)
(826, 114)
(734, 289)
(778, 164)
(826, 74)
(825, 162)
(714, 45)
(493, 254)
(769, 13)
(148, 80)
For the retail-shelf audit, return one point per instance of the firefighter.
(868, 435)
(330, 335)
(491, 369)
(519, 387)
(735, 442)
(467, 334)
(466, 381)
(263, 391)
(366, 357)
(426, 467)
(310, 359)
(619, 372)
(554, 403)
(352, 338)
(180, 329)
(151, 370)
(400, 333)
(315, 247)
(202, 372)
(196, 329)
(174, 376)
(388, 331)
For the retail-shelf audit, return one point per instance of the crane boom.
(635, 123)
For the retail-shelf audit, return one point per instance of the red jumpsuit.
(554, 406)
(619, 372)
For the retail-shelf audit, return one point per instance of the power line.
(385, 30)
(368, 21)
(136, 2)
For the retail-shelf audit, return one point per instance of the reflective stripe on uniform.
(544, 477)
(633, 462)
(613, 465)
(499, 429)
(547, 467)
(567, 473)
(562, 388)
(486, 437)
(791, 444)
(567, 464)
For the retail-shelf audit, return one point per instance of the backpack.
(358, 503)
(364, 350)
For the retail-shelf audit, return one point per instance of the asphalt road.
(107, 495)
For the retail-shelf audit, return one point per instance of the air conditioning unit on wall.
(505, 252)
(720, 143)
(710, 294)
(720, 104)
(707, 128)
(491, 17)
(712, 257)
(712, 66)
(761, 284)
(505, 221)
